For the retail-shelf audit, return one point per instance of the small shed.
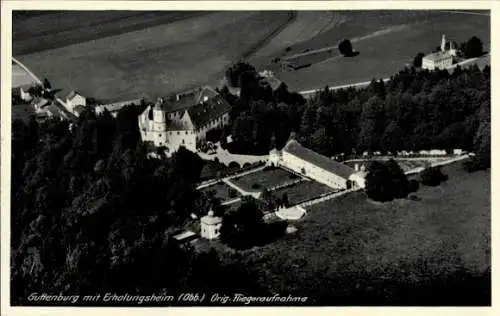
(186, 236)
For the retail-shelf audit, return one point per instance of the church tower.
(443, 43)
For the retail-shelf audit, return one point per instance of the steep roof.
(438, 56)
(41, 102)
(113, 107)
(26, 87)
(211, 109)
(211, 220)
(189, 98)
(296, 149)
(53, 109)
(72, 94)
(274, 82)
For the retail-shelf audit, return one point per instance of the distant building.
(442, 59)
(40, 103)
(115, 107)
(187, 236)
(315, 166)
(25, 94)
(210, 226)
(438, 60)
(45, 110)
(269, 79)
(74, 99)
(184, 120)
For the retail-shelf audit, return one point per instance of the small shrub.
(413, 186)
(476, 164)
(255, 186)
(414, 197)
(246, 165)
(214, 135)
(293, 176)
(232, 193)
(386, 181)
(233, 164)
(432, 176)
(345, 47)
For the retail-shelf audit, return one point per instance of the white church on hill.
(315, 166)
(441, 59)
(184, 120)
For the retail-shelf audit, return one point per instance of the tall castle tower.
(159, 127)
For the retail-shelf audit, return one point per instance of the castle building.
(185, 120)
(302, 160)
(441, 59)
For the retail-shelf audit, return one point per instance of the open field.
(20, 77)
(53, 29)
(221, 191)
(303, 191)
(152, 61)
(351, 251)
(131, 54)
(306, 25)
(263, 179)
(386, 42)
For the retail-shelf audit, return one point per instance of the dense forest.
(91, 213)
(415, 110)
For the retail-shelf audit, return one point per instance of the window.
(178, 133)
(186, 132)
(216, 231)
(159, 135)
(183, 141)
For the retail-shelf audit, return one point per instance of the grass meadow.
(386, 42)
(171, 54)
(125, 54)
(352, 251)
(221, 191)
(303, 191)
(260, 180)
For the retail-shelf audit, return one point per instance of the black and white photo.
(191, 158)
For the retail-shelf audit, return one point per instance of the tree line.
(414, 110)
(92, 213)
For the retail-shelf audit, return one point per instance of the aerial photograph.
(250, 158)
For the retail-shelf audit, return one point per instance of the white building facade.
(210, 226)
(315, 166)
(74, 99)
(442, 59)
(184, 127)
